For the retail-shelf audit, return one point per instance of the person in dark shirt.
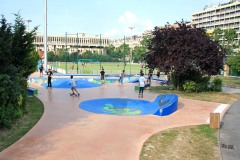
(158, 74)
(102, 73)
(150, 74)
(49, 74)
(41, 70)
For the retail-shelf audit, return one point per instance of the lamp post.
(77, 40)
(28, 21)
(45, 35)
(77, 52)
(100, 42)
(131, 49)
(124, 53)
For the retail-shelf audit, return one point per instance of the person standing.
(49, 74)
(41, 70)
(73, 88)
(141, 71)
(141, 85)
(150, 73)
(102, 73)
(158, 74)
(121, 76)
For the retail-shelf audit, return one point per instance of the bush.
(12, 98)
(216, 85)
(190, 86)
(203, 84)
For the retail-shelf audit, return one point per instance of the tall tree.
(217, 34)
(18, 60)
(184, 51)
(140, 51)
(23, 50)
(234, 62)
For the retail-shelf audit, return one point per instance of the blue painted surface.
(81, 82)
(64, 83)
(167, 103)
(119, 106)
(163, 105)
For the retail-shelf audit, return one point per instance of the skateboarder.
(73, 84)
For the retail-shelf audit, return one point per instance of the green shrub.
(12, 98)
(216, 84)
(190, 86)
(203, 84)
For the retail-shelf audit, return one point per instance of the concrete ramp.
(167, 103)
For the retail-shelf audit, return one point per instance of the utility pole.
(77, 52)
(131, 49)
(124, 54)
(28, 21)
(45, 36)
(66, 52)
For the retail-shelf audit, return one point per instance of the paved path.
(66, 132)
(230, 130)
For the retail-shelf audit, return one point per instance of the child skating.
(73, 84)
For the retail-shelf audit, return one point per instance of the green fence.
(86, 66)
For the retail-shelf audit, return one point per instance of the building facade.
(73, 43)
(224, 16)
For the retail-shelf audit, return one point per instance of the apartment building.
(224, 16)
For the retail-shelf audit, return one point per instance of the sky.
(110, 18)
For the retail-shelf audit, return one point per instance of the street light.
(76, 48)
(45, 35)
(124, 55)
(131, 41)
(28, 21)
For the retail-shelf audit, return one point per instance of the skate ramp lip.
(163, 105)
(64, 83)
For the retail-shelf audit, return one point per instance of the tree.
(51, 56)
(140, 51)
(18, 60)
(234, 62)
(217, 34)
(188, 53)
(23, 50)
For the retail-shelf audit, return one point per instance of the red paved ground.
(66, 132)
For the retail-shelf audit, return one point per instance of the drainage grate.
(227, 146)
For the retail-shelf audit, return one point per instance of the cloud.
(112, 33)
(130, 19)
(148, 25)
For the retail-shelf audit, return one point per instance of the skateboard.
(73, 94)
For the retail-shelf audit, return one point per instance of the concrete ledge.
(220, 110)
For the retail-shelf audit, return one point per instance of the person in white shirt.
(141, 85)
(73, 84)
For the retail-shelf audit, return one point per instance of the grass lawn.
(34, 109)
(189, 142)
(184, 143)
(229, 80)
(94, 68)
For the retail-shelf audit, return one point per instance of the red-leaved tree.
(187, 52)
